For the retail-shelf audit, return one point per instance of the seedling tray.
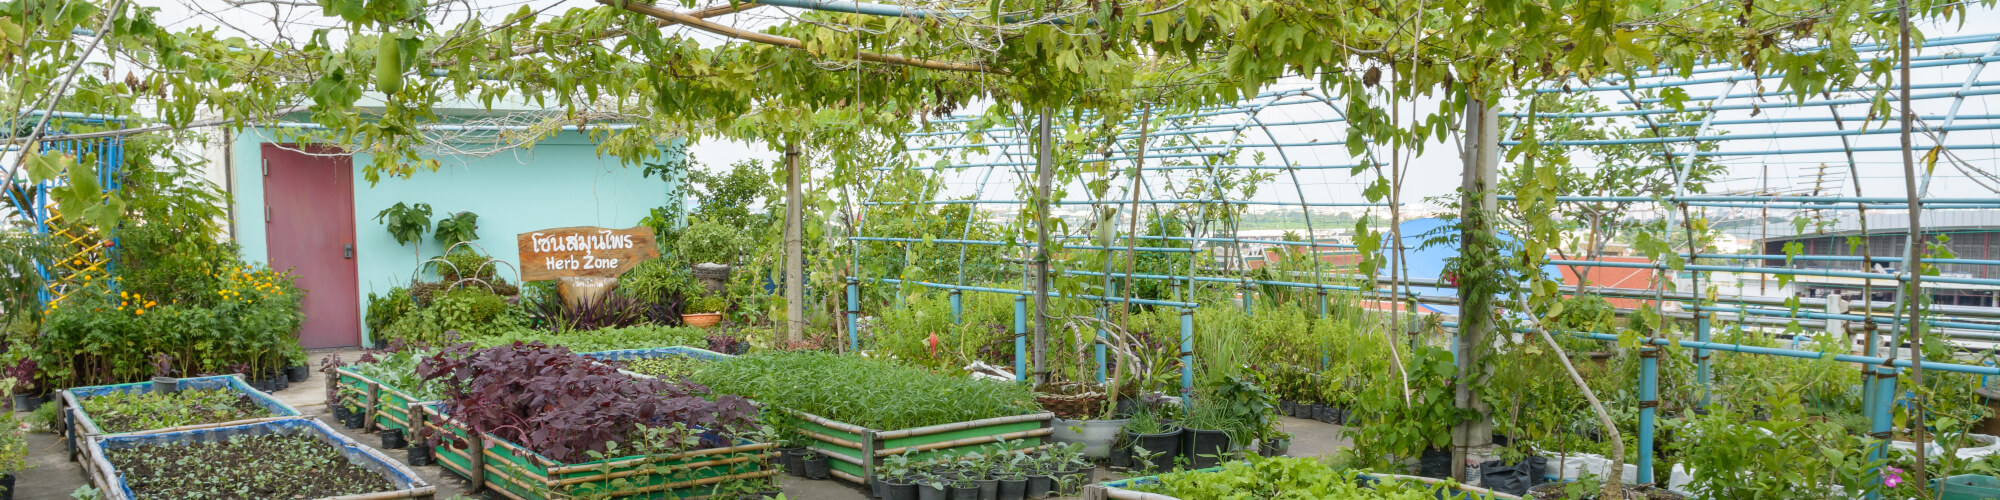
(109, 480)
(387, 407)
(81, 428)
(854, 451)
(518, 473)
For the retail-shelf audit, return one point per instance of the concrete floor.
(51, 475)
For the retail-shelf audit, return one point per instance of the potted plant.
(704, 311)
(711, 247)
(964, 489)
(13, 445)
(1150, 436)
(930, 486)
(26, 397)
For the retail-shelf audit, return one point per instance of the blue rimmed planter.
(1118, 490)
(80, 428)
(112, 483)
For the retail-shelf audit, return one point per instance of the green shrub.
(471, 311)
(873, 393)
(709, 241)
(608, 339)
(656, 280)
(99, 335)
(385, 310)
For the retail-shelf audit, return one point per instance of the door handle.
(349, 251)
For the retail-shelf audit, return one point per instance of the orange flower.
(138, 311)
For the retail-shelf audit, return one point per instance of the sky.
(1433, 173)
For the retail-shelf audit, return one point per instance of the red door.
(309, 228)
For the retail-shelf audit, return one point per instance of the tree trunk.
(1045, 176)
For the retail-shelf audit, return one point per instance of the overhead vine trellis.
(1029, 59)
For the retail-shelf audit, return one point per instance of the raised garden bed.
(141, 410)
(385, 390)
(535, 421)
(840, 406)
(515, 472)
(290, 458)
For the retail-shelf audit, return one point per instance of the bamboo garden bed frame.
(515, 472)
(386, 407)
(854, 451)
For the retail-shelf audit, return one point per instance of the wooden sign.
(584, 251)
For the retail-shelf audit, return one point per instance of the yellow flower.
(123, 295)
(151, 303)
(138, 311)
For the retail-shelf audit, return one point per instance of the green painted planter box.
(854, 451)
(515, 472)
(387, 407)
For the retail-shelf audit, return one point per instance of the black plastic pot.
(298, 373)
(815, 465)
(1285, 406)
(1163, 447)
(1120, 456)
(355, 419)
(1040, 486)
(899, 489)
(1274, 447)
(393, 439)
(7, 486)
(1204, 448)
(418, 455)
(1314, 412)
(25, 404)
(989, 489)
(928, 492)
(1434, 463)
(280, 382)
(1070, 483)
(1514, 478)
(969, 492)
(794, 460)
(1014, 489)
(874, 487)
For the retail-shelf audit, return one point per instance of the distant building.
(1971, 233)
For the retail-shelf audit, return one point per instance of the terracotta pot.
(702, 320)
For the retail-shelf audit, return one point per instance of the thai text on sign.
(583, 251)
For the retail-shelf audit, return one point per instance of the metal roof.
(1880, 223)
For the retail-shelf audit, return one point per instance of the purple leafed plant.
(611, 311)
(725, 344)
(562, 405)
(24, 375)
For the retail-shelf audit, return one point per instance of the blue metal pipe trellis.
(1203, 143)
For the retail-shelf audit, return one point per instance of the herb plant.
(669, 368)
(563, 405)
(873, 393)
(1275, 477)
(118, 412)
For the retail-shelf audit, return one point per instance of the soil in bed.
(139, 411)
(243, 467)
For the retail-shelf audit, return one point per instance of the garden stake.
(1649, 402)
(1020, 338)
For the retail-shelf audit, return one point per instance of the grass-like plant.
(873, 393)
(608, 339)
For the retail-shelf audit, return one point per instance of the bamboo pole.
(419, 492)
(568, 469)
(843, 475)
(975, 440)
(959, 426)
(704, 481)
(839, 456)
(561, 482)
(830, 424)
(831, 439)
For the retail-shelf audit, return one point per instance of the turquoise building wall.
(559, 182)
